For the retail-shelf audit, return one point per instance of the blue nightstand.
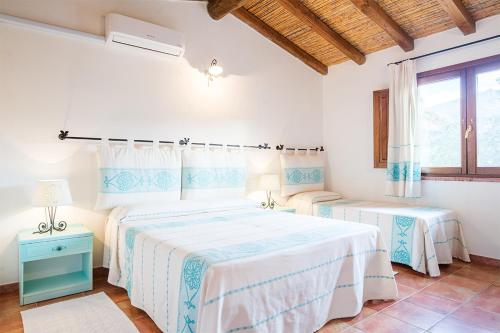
(54, 265)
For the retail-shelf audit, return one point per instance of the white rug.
(90, 314)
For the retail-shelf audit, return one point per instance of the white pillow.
(303, 202)
(130, 175)
(217, 174)
(152, 211)
(302, 173)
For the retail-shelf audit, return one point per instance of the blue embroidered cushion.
(302, 173)
(213, 174)
(130, 175)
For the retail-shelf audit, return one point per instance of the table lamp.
(269, 183)
(51, 194)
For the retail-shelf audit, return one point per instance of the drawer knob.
(58, 248)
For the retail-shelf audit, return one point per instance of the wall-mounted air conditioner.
(130, 32)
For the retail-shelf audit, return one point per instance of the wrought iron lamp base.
(270, 201)
(44, 227)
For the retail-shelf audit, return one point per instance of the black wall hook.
(63, 135)
(184, 141)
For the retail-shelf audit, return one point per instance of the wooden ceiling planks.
(309, 18)
(371, 9)
(482, 9)
(417, 18)
(275, 15)
(274, 36)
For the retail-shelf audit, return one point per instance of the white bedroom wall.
(348, 134)
(51, 82)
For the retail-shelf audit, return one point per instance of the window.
(459, 110)
(441, 108)
(488, 118)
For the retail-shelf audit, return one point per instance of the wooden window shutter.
(380, 127)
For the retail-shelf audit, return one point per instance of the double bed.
(228, 266)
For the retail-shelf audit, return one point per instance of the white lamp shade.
(52, 193)
(269, 182)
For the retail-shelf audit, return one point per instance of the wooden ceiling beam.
(304, 14)
(460, 15)
(373, 11)
(274, 36)
(217, 9)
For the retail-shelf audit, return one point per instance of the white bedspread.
(420, 237)
(196, 268)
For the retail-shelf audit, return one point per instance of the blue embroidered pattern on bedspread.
(325, 211)
(133, 180)
(196, 264)
(299, 176)
(402, 239)
(208, 178)
(402, 230)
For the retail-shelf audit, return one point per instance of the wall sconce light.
(213, 71)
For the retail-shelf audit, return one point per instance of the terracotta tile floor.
(464, 299)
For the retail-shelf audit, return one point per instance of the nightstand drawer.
(55, 248)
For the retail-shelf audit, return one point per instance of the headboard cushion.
(131, 175)
(213, 174)
(302, 173)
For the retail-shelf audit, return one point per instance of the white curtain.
(403, 160)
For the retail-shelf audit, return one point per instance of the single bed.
(231, 267)
(420, 237)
